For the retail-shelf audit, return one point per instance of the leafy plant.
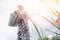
(53, 32)
(40, 38)
(45, 38)
(55, 38)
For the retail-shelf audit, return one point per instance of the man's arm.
(13, 19)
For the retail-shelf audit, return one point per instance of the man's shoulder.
(16, 11)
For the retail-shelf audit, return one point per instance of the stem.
(52, 32)
(36, 29)
(50, 21)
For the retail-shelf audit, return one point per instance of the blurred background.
(34, 7)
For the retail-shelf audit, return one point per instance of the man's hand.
(15, 14)
(26, 15)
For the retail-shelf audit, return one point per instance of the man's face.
(20, 7)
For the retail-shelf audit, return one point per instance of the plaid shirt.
(23, 27)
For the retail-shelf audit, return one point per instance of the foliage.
(55, 38)
(46, 38)
(40, 38)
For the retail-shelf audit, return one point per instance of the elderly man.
(20, 18)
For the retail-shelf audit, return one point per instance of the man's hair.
(20, 6)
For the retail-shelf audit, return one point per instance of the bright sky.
(32, 7)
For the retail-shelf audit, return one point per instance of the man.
(20, 18)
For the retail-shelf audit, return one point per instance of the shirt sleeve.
(26, 15)
(13, 19)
